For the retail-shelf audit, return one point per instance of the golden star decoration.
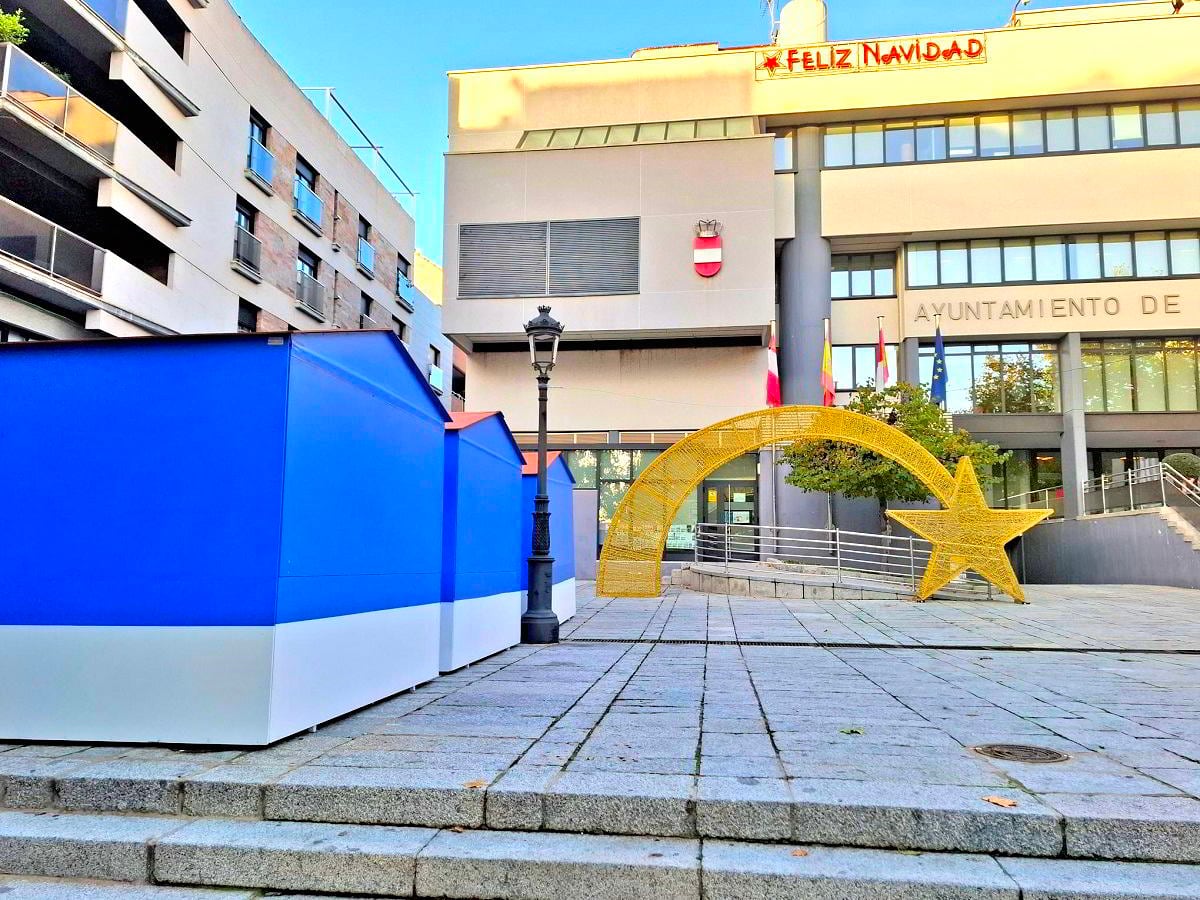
(968, 534)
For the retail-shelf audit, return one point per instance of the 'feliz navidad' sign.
(871, 56)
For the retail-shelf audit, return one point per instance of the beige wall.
(624, 389)
(1014, 196)
(670, 187)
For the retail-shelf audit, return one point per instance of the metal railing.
(308, 204)
(888, 561)
(366, 255)
(1044, 498)
(1144, 487)
(260, 161)
(310, 293)
(38, 90)
(247, 250)
(38, 242)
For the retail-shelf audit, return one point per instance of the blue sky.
(388, 58)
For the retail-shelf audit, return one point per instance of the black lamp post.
(539, 624)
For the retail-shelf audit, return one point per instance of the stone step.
(881, 814)
(237, 860)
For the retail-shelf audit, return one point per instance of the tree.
(12, 28)
(833, 467)
(1014, 385)
(1186, 464)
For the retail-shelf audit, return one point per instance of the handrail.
(1188, 487)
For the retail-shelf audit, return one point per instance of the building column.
(804, 305)
(1074, 434)
(910, 361)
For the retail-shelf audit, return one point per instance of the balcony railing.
(366, 256)
(260, 163)
(437, 378)
(247, 250)
(310, 293)
(308, 204)
(34, 87)
(113, 12)
(406, 292)
(38, 242)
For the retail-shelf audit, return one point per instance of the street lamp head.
(544, 334)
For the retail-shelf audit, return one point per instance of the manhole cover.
(1022, 753)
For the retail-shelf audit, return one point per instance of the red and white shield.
(708, 254)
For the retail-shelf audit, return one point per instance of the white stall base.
(238, 685)
(479, 627)
(563, 600)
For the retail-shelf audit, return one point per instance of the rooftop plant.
(12, 27)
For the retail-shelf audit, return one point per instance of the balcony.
(366, 257)
(309, 208)
(310, 295)
(34, 88)
(37, 242)
(247, 254)
(437, 378)
(114, 12)
(260, 166)
(406, 292)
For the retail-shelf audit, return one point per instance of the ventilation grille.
(652, 437)
(549, 259)
(562, 438)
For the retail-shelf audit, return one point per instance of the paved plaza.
(711, 718)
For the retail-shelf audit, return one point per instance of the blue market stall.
(215, 540)
(481, 570)
(560, 484)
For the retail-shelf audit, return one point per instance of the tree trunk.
(883, 517)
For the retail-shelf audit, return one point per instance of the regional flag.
(774, 393)
(882, 375)
(828, 388)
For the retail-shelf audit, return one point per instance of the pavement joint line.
(835, 645)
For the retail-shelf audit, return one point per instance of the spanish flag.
(829, 390)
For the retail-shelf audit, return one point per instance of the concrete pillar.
(1074, 435)
(804, 305)
(910, 360)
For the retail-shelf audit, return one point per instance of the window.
(247, 318)
(246, 216)
(260, 163)
(304, 193)
(366, 252)
(435, 356)
(307, 262)
(306, 174)
(854, 366)
(1024, 472)
(990, 379)
(557, 259)
(785, 151)
(1123, 126)
(1142, 375)
(10, 334)
(863, 275)
(247, 249)
(1081, 257)
(364, 310)
(404, 284)
(258, 128)
(400, 328)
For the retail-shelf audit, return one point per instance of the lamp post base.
(539, 624)
(539, 627)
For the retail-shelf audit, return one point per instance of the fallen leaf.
(853, 731)
(457, 829)
(477, 784)
(1000, 801)
(799, 853)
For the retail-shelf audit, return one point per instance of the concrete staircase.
(521, 838)
(1184, 521)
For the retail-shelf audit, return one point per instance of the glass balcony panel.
(366, 255)
(36, 89)
(77, 261)
(247, 249)
(91, 126)
(406, 291)
(111, 11)
(261, 161)
(308, 204)
(310, 292)
(25, 236)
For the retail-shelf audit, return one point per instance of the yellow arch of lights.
(966, 534)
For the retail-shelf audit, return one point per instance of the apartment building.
(1032, 187)
(161, 174)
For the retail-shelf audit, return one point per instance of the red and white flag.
(882, 374)
(828, 383)
(774, 393)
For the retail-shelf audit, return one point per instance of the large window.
(637, 133)
(1079, 257)
(557, 259)
(1023, 472)
(1088, 129)
(1141, 375)
(854, 366)
(863, 275)
(997, 378)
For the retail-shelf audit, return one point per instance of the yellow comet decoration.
(969, 534)
(966, 534)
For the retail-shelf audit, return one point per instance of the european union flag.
(937, 390)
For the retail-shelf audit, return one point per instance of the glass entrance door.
(735, 505)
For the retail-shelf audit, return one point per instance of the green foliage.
(1186, 464)
(832, 467)
(1015, 385)
(12, 28)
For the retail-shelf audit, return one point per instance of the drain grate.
(1021, 753)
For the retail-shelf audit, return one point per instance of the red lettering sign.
(872, 56)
